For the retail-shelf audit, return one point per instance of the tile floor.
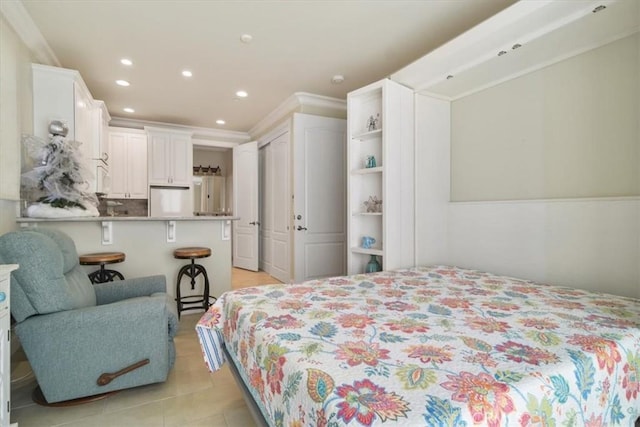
(191, 396)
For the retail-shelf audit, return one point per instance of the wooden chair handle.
(107, 377)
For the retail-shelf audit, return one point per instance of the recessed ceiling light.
(125, 61)
(246, 38)
(129, 110)
(242, 94)
(187, 73)
(337, 79)
(122, 83)
(220, 122)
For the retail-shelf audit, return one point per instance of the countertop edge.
(128, 218)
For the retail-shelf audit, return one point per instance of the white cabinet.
(5, 343)
(381, 127)
(128, 163)
(61, 94)
(84, 122)
(100, 156)
(170, 157)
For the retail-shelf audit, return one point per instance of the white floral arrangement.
(58, 180)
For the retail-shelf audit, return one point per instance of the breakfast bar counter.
(120, 218)
(149, 242)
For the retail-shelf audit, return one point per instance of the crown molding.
(200, 133)
(298, 99)
(313, 100)
(212, 145)
(20, 20)
(171, 130)
(289, 104)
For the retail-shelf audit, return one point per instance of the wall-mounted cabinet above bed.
(538, 174)
(527, 36)
(381, 165)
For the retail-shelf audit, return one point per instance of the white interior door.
(281, 208)
(319, 197)
(265, 204)
(275, 207)
(245, 229)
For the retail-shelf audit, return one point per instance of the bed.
(433, 346)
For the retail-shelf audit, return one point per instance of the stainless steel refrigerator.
(209, 195)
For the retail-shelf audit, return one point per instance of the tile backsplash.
(127, 207)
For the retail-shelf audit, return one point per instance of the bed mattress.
(430, 346)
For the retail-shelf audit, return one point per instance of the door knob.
(254, 223)
(301, 228)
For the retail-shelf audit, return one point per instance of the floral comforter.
(436, 346)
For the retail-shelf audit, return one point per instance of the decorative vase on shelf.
(373, 265)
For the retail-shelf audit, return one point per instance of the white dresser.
(5, 343)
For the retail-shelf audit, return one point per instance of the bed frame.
(254, 409)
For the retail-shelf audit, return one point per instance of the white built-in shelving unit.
(390, 180)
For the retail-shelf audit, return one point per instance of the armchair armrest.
(109, 292)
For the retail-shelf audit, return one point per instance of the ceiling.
(297, 46)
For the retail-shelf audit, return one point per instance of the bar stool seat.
(192, 270)
(193, 252)
(102, 258)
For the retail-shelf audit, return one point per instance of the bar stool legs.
(105, 275)
(192, 271)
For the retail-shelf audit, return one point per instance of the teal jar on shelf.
(373, 265)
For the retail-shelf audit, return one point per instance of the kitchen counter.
(129, 218)
(148, 244)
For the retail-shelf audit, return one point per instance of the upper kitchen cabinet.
(61, 94)
(170, 157)
(128, 160)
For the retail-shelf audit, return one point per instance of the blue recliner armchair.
(82, 339)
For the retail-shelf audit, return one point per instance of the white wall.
(15, 119)
(208, 157)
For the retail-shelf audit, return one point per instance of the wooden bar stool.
(192, 270)
(102, 258)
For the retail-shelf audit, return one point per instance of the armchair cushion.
(65, 245)
(41, 286)
(42, 281)
(80, 289)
